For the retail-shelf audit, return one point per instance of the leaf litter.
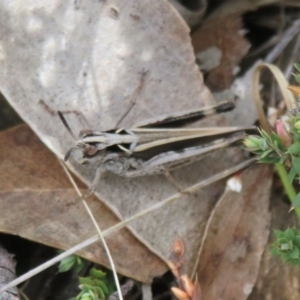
(41, 205)
(94, 73)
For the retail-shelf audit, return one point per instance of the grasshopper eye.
(85, 132)
(90, 150)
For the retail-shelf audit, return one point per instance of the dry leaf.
(90, 57)
(242, 91)
(236, 238)
(7, 274)
(37, 203)
(220, 42)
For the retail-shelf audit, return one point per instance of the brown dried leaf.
(236, 239)
(37, 203)
(197, 290)
(220, 44)
(179, 294)
(188, 285)
(219, 39)
(7, 274)
(90, 58)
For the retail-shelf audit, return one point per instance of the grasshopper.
(149, 148)
(150, 134)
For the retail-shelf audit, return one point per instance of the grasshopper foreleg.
(79, 114)
(132, 145)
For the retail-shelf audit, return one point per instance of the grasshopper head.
(91, 142)
(88, 147)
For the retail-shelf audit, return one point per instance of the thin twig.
(207, 225)
(285, 38)
(282, 82)
(294, 56)
(97, 228)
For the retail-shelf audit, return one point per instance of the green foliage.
(269, 148)
(72, 261)
(95, 287)
(297, 66)
(287, 246)
(283, 148)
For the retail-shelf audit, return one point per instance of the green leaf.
(279, 234)
(296, 164)
(270, 160)
(283, 158)
(295, 253)
(86, 281)
(99, 291)
(80, 295)
(102, 285)
(292, 174)
(294, 149)
(289, 234)
(86, 287)
(92, 295)
(296, 202)
(266, 153)
(285, 246)
(285, 256)
(297, 77)
(64, 267)
(252, 142)
(297, 241)
(297, 66)
(111, 285)
(296, 137)
(275, 251)
(294, 262)
(295, 231)
(69, 262)
(97, 273)
(78, 267)
(277, 142)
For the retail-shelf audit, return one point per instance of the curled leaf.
(179, 294)
(187, 284)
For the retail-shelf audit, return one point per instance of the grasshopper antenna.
(61, 116)
(68, 154)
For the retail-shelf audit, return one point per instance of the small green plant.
(282, 148)
(72, 261)
(297, 75)
(97, 286)
(287, 246)
(93, 287)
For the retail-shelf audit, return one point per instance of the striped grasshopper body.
(132, 166)
(150, 148)
(151, 134)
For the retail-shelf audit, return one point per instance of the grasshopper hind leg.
(133, 98)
